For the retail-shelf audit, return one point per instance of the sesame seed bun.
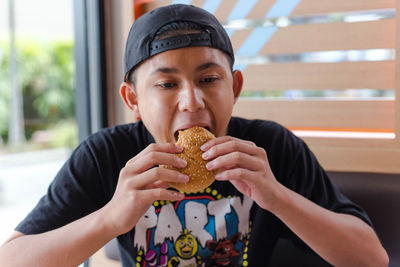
(199, 177)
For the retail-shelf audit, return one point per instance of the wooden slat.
(343, 75)
(258, 11)
(325, 37)
(224, 9)
(357, 159)
(238, 37)
(261, 9)
(369, 143)
(332, 36)
(310, 7)
(305, 7)
(198, 3)
(320, 113)
(146, 7)
(158, 3)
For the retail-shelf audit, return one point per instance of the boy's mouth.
(176, 134)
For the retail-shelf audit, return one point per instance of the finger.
(231, 146)
(220, 140)
(152, 159)
(155, 175)
(157, 147)
(157, 184)
(242, 187)
(236, 160)
(234, 174)
(164, 194)
(163, 147)
(239, 178)
(228, 167)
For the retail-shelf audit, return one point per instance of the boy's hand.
(141, 182)
(243, 164)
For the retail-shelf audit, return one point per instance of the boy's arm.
(341, 239)
(140, 183)
(69, 245)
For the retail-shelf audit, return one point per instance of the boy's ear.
(129, 96)
(237, 84)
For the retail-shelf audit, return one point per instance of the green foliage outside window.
(45, 72)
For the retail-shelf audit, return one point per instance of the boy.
(178, 74)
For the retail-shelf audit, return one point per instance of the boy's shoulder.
(253, 128)
(121, 133)
(122, 139)
(269, 135)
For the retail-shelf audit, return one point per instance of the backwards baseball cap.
(141, 45)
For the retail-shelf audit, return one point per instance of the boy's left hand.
(245, 165)
(341, 239)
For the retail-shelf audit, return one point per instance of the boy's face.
(182, 88)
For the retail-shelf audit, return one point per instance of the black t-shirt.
(217, 226)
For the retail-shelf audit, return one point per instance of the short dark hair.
(174, 29)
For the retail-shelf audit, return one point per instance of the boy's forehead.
(171, 61)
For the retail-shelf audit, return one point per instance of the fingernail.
(210, 165)
(205, 155)
(184, 178)
(178, 195)
(182, 162)
(204, 147)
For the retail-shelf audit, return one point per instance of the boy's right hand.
(140, 183)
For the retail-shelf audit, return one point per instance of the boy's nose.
(191, 99)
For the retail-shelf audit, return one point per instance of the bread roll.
(199, 177)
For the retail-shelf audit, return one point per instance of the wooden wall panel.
(309, 7)
(332, 36)
(325, 37)
(321, 114)
(319, 76)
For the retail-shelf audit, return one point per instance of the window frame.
(90, 71)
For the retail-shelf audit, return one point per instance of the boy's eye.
(209, 79)
(166, 85)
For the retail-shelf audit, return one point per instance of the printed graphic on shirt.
(204, 229)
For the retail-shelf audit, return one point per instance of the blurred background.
(38, 129)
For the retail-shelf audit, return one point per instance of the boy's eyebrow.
(207, 65)
(164, 70)
(174, 70)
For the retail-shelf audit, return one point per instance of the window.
(324, 69)
(37, 102)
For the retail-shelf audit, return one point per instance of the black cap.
(140, 44)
